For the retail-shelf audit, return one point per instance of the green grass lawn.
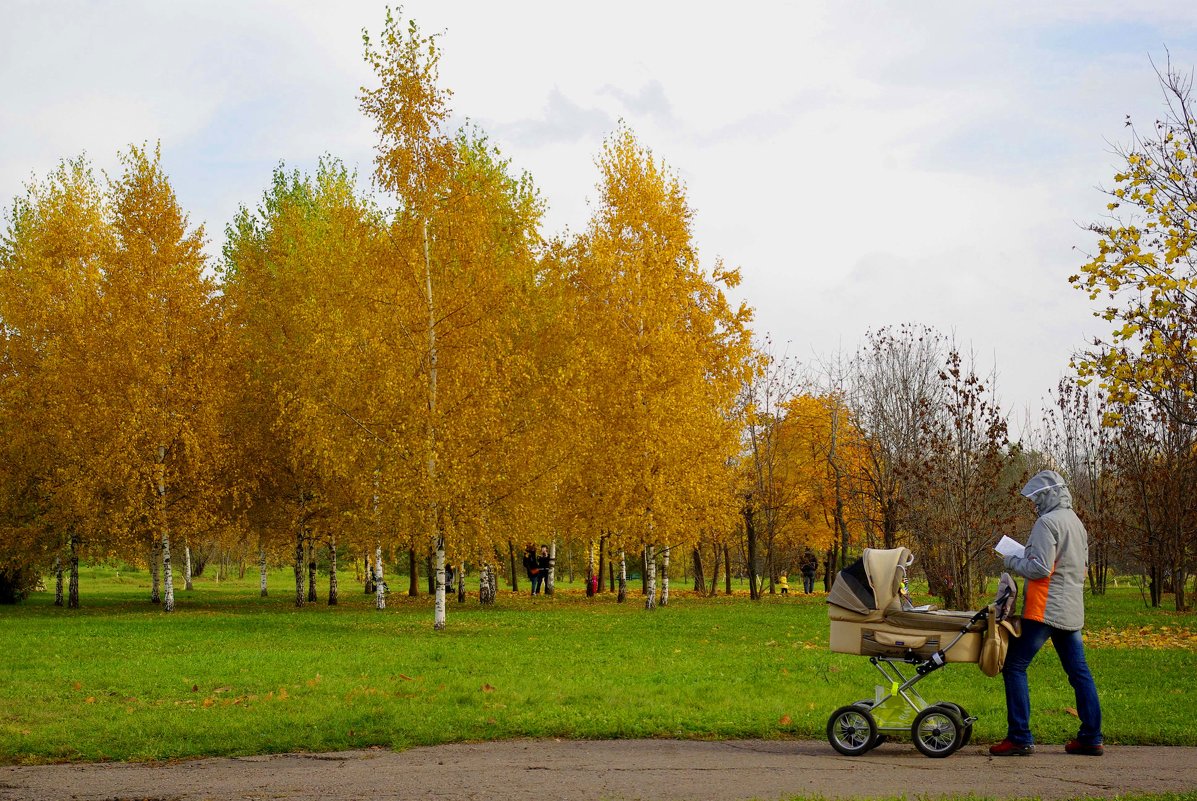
(231, 673)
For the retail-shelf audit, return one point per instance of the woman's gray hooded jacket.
(1056, 558)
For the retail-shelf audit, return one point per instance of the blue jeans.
(538, 582)
(1071, 651)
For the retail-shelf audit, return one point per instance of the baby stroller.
(871, 615)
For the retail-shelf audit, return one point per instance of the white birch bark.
(438, 622)
(665, 576)
(332, 571)
(262, 571)
(187, 584)
(57, 581)
(623, 578)
(551, 579)
(486, 592)
(650, 568)
(380, 587)
(590, 568)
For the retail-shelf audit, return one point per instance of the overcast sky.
(864, 163)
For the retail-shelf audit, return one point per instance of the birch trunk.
(299, 566)
(623, 578)
(650, 572)
(262, 571)
(434, 519)
(438, 620)
(380, 587)
(155, 575)
(73, 586)
(168, 582)
(187, 585)
(369, 586)
(332, 571)
(551, 578)
(57, 581)
(461, 583)
(486, 585)
(311, 568)
(665, 576)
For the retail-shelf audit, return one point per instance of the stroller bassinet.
(871, 616)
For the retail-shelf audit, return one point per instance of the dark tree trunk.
(299, 566)
(515, 584)
(700, 582)
(368, 586)
(413, 576)
(727, 571)
(602, 560)
(73, 582)
(58, 581)
(750, 532)
(431, 572)
(155, 565)
(714, 572)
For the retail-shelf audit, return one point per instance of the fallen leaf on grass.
(406, 678)
(784, 720)
(486, 688)
(77, 685)
(1071, 711)
(207, 702)
(91, 699)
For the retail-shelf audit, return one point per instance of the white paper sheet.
(1009, 547)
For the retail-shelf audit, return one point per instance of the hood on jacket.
(1048, 490)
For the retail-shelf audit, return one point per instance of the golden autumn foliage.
(817, 437)
(1145, 267)
(658, 355)
(114, 363)
(428, 376)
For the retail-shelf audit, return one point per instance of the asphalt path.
(619, 770)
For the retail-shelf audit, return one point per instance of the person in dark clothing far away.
(810, 566)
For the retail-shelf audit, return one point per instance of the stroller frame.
(898, 708)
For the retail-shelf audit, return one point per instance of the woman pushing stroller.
(1054, 565)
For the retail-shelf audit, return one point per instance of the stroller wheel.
(878, 738)
(963, 713)
(851, 730)
(937, 731)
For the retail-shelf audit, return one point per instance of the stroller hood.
(871, 582)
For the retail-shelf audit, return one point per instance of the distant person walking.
(540, 573)
(810, 566)
(530, 565)
(1054, 564)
